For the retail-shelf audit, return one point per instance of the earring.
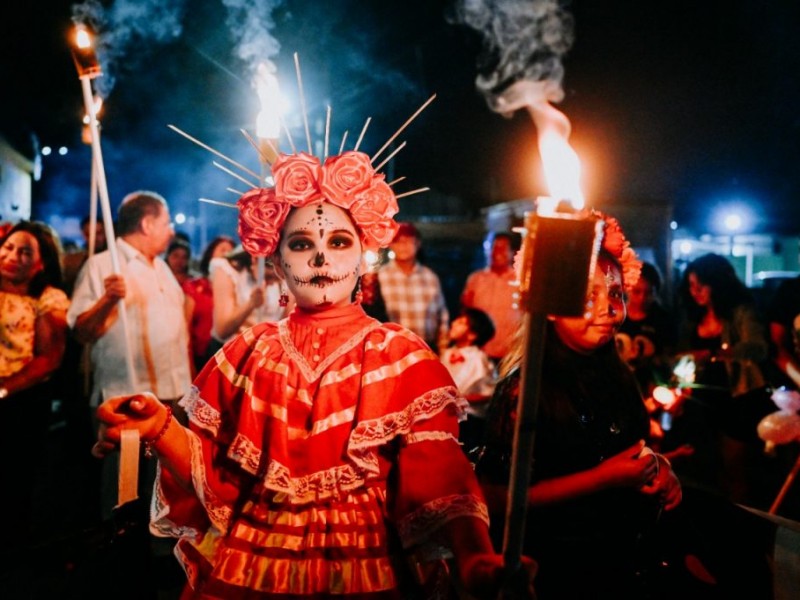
(283, 299)
(358, 295)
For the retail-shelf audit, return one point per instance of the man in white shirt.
(154, 303)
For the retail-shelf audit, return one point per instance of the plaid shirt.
(416, 302)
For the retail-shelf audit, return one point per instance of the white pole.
(108, 222)
(93, 209)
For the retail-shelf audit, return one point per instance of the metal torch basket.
(559, 255)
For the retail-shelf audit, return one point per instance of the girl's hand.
(143, 412)
(665, 485)
(630, 468)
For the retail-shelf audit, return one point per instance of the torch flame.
(562, 168)
(268, 125)
(82, 38)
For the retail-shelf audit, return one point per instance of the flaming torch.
(559, 254)
(89, 68)
(268, 126)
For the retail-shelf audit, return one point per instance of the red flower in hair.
(297, 178)
(615, 243)
(344, 176)
(261, 217)
(372, 210)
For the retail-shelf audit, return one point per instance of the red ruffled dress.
(323, 447)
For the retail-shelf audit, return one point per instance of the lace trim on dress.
(218, 512)
(362, 450)
(310, 373)
(416, 527)
(200, 412)
(367, 435)
(426, 436)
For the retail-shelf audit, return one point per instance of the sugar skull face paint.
(605, 311)
(320, 256)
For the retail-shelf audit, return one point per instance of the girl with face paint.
(596, 487)
(322, 450)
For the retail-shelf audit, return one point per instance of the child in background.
(471, 369)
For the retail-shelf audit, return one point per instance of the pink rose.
(261, 217)
(373, 209)
(380, 234)
(344, 176)
(297, 178)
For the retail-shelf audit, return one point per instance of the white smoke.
(126, 29)
(250, 22)
(524, 40)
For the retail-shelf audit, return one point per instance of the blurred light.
(663, 395)
(46, 151)
(371, 257)
(733, 222)
(62, 150)
(390, 254)
(686, 247)
(673, 225)
(180, 218)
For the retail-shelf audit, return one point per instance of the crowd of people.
(304, 406)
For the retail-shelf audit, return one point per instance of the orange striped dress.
(323, 448)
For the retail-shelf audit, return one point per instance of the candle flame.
(268, 124)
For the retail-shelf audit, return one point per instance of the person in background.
(412, 292)
(200, 300)
(494, 291)
(471, 369)
(154, 303)
(646, 342)
(784, 330)
(33, 332)
(724, 336)
(322, 449)
(239, 302)
(178, 257)
(646, 339)
(73, 261)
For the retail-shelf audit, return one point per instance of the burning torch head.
(84, 55)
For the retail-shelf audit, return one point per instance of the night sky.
(690, 104)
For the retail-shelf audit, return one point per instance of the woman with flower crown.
(323, 447)
(599, 498)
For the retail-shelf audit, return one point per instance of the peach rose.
(261, 217)
(344, 176)
(297, 178)
(373, 209)
(614, 240)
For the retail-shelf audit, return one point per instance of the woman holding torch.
(321, 447)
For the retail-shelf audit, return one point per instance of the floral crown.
(346, 180)
(616, 244)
